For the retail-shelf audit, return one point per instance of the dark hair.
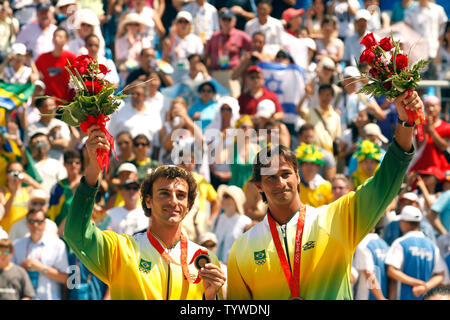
(169, 172)
(446, 29)
(38, 134)
(329, 18)
(258, 2)
(194, 55)
(39, 101)
(92, 35)
(7, 244)
(305, 127)
(259, 33)
(33, 211)
(326, 86)
(125, 133)
(439, 290)
(61, 29)
(71, 154)
(141, 136)
(207, 83)
(264, 157)
(13, 162)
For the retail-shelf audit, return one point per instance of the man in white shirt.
(44, 257)
(38, 37)
(427, 19)
(130, 217)
(352, 46)
(205, 18)
(136, 116)
(271, 27)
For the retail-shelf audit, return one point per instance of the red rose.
(93, 87)
(374, 73)
(386, 44)
(369, 41)
(81, 64)
(401, 61)
(367, 56)
(388, 85)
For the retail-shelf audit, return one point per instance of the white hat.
(410, 213)
(266, 108)
(19, 48)
(234, 192)
(326, 62)
(207, 236)
(351, 71)
(62, 3)
(39, 194)
(87, 16)
(373, 129)
(39, 83)
(411, 196)
(127, 166)
(131, 17)
(184, 15)
(363, 14)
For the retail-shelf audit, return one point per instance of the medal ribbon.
(293, 278)
(183, 255)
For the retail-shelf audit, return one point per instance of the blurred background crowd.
(282, 71)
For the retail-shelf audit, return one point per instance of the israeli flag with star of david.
(288, 82)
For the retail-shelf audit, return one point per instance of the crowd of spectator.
(194, 71)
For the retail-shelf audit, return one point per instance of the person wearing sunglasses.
(205, 108)
(43, 256)
(143, 162)
(38, 201)
(130, 217)
(154, 265)
(125, 171)
(14, 281)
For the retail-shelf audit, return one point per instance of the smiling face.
(169, 201)
(279, 185)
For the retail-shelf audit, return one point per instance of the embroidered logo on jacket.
(260, 257)
(309, 245)
(145, 266)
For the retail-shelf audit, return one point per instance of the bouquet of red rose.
(92, 100)
(390, 74)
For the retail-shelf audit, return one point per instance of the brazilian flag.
(13, 95)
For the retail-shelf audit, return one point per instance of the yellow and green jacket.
(129, 265)
(330, 237)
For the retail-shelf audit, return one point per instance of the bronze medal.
(201, 260)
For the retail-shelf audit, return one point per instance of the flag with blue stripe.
(13, 95)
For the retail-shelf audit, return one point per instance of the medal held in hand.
(390, 74)
(201, 260)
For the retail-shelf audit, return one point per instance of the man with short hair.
(152, 264)
(51, 66)
(224, 49)
(320, 242)
(413, 260)
(352, 46)
(44, 257)
(14, 281)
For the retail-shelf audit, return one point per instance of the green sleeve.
(373, 197)
(92, 246)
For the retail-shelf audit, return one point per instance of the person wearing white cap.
(14, 70)
(205, 18)
(230, 224)
(181, 44)
(345, 11)
(353, 48)
(125, 171)
(413, 260)
(153, 25)
(38, 201)
(67, 8)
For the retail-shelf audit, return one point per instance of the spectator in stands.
(14, 281)
(344, 10)
(58, 131)
(205, 18)
(125, 171)
(67, 8)
(142, 161)
(38, 37)
(205, 108)
(198, 72)
(130, 40)
(147, 64)
(223, 51)
(264, 113)
(443, 64)
(230, 224)
(49, 169)
(352, 45)
(368, 155)
(330, 45)
(415, 273)
(38, 200)
(14, 70)
(51, 67)
(181, 43)
(314, 189)
(244, 10)
(340, 186)
(400, 8)
(125, 153)
(271, 27)
(248, 101)
(85, 22)
(44, 257)
(293, 19)
(314, 17)
(430, 151)
(136, 116)
(9, 29)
